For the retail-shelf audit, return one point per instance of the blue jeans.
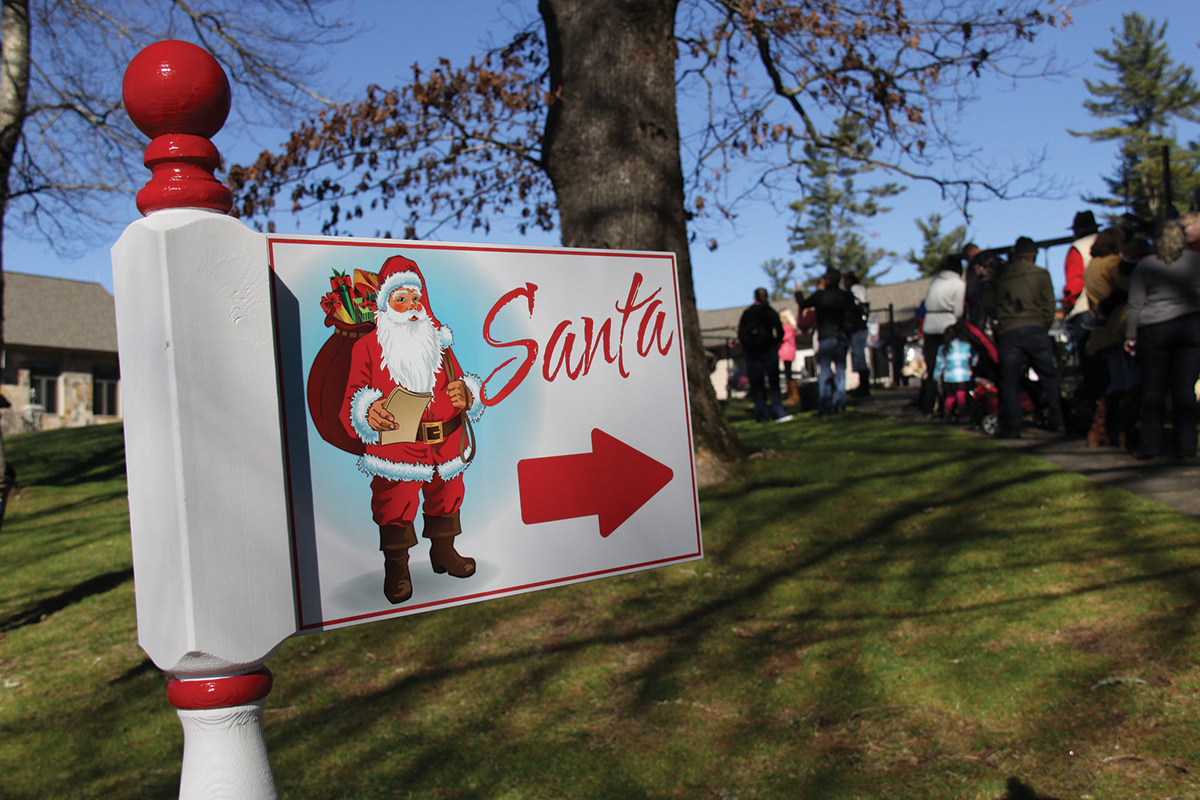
(858, 352)
(831, 386)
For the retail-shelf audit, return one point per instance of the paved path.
(1173, 483)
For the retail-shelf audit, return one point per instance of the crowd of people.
(1132, 317)
(838, 312)
(1131, 311)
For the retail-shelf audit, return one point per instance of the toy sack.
(349, 310)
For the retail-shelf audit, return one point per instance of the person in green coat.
(1020, 300)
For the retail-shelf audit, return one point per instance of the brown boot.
(1098, 435)
(440, 531)
(395, 541)
(793, 395)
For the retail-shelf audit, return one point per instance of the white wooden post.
(204, 450)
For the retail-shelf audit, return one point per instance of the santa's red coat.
(369, 381)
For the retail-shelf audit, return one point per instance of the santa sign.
(466, 422)
(322, 432)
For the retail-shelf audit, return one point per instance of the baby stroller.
(984, 398)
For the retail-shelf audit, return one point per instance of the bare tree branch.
(76, 147)
(768, 77)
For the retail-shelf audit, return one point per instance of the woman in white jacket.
(943, 308)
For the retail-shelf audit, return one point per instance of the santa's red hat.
(399, 272)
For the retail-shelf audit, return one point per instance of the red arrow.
(613, 481)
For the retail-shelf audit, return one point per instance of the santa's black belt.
(436, 432)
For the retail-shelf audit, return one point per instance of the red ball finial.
(177, 94)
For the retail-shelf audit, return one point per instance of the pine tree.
(828, 218)
(936, 245)
(779, 276)
(1149, 94)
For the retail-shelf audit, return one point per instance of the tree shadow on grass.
(472, 717)
(69, 457)
(1163, 567)
(14, 519)
(144, 667)
(684, 632)
(81, 591)
(1018, 790)
(677, 630)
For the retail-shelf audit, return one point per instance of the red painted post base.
(224, 755)
(236, 690)
(181, 167)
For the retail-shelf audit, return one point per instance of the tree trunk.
(612, 154)
(14, 93)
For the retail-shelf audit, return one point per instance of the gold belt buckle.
(430, 428)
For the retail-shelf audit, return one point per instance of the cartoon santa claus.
(409, 350)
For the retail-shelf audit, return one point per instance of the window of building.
(104, 392)
(43, 387)
(104, 397)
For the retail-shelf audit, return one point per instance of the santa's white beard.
(411, 352)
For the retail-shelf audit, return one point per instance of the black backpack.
(757, 334)
(758, 337)
(854, 318)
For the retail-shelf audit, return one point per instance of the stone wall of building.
(72, 374)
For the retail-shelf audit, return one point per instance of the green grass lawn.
(885, 609)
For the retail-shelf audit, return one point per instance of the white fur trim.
(445, 336)
(452, 468)
(475, 411)
(359, 405)
(396, 281)
(395, 471)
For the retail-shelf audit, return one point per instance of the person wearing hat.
(1076, 311)
(408, 356)
(1021, 301)
(1084, 228)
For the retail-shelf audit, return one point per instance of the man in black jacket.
(760, 331)
(832, 304)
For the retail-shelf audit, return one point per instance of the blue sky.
(1005, 125)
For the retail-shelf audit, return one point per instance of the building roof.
(58, 313)
(719, 325)
(904, 297)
